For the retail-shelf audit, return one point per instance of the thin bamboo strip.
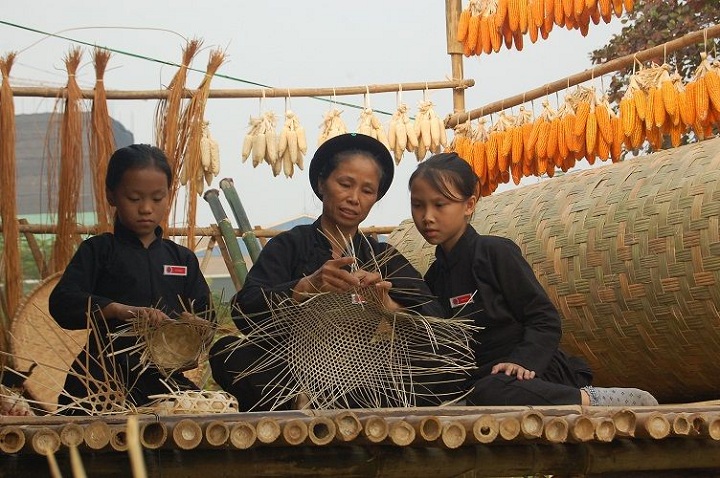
(135, 443)
(78, 470)
(243, 435)
(97, 435)
(43, 92)
(217, 433)
(321, 430)
(53, 465)
(611, 66)
(12, 439)
(186, 434)
(12, 270)
(72, 435)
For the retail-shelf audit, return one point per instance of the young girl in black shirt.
(131, 274)
(485, 278)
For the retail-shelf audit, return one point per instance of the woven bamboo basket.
(630, 255)
(36, 337)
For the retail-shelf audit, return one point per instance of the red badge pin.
(460, 300)
(175, 270)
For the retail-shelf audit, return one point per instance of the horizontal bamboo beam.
(43, 92)
(182, 231)
(611, 66)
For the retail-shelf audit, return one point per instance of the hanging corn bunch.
(430, 131)
(401, 133)
(369, 124)
(331, 126)
(705, 89)
(261, 141)
(292, 145)
(485, 25)
(209, 154)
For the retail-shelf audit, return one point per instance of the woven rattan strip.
(630, 255)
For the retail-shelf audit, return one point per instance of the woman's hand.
(330, 277)
(513, 369)
(127, 313)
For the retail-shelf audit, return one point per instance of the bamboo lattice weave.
(630, 255)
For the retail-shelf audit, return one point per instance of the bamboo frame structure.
(572, 80)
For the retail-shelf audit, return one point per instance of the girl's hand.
(331, 277)
(513, 369)
(128, 313)
(383, 288)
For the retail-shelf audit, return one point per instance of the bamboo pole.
(248, 235)
(44, 441)
(652, 425)
(183, 231)
(596, 71)
(400, 432)
(268, 430)
(45, 92)
(580, 428)
(485, 429)
(604, 429)
(212, 197)
(119, 438)
(294, 432)
(375, 429)
(152, 435)
(556, 429)
(427, 428)
(455, 50)
(76, 463)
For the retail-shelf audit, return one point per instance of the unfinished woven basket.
(36, 336)
(630, 255)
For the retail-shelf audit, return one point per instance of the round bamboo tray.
(36, 337)
(630, 255)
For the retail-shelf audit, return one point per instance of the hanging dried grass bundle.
(70, 178)
(169, 136)
(8, 197)
(102, 142)
(191, 172)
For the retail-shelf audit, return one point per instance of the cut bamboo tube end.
(187, 434)
(321, 430)
(12, 439)
(294, 431)
(72, 435)
(375, 429)
(653, 425)
(509, 428)
(400, 432)
(485, 429)
(581, 428)
(625, 422)
(45, 441)
(217, 433)
(348, 426)
(243, 435)
(714, 427)
(604, 429)
(268, 430)
(531, 424)
(153, 435)
(556, 429)
(428, 429)
(118, 439)
(453, 434)
(681, 424)
(97, 435)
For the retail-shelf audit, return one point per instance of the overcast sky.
(284, 44)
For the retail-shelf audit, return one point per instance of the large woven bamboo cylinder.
(630, 255)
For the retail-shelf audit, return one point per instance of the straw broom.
(102, 142)
(70, 166)
(191, 124)
(8, 197)
(170, 138)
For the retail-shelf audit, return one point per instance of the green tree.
(654, 22)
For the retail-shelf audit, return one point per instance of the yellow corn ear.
(629, 5)
(686, 100)
(659, 109)
(591, 131)
(650, 110)
(581, 115)
(551, 147)
(473, 31)
(603, 122)
(506, 145)
(640, 99)
(541, 145)
(702, 100)
(463, 24)
(628, 114)
(562, 146)
(571, 138)
(532, 139)
(516, 155)
(491, 151)
(618, 138)
(501, 13)
(670, 98)
(712, 82)
(484, 44)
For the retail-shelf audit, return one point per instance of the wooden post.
(35, 250)
(455, 50)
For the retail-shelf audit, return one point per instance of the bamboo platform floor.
(663, 441)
